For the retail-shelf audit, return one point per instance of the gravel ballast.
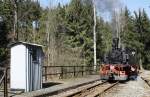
(136, 88)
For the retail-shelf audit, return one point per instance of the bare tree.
(14, 2)
(51, 40)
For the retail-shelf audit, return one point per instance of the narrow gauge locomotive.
(119, 64)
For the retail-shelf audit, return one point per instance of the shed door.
(34, 69)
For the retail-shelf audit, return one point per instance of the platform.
(66, 84)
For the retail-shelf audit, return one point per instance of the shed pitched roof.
(24, 43)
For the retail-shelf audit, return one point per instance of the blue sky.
(47, 2)
(138, 4)
(131, 4)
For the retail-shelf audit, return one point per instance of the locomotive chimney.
(115, 44)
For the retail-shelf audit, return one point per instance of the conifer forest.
(66, 30)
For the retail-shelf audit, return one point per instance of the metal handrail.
(1, 80)
(4, 80)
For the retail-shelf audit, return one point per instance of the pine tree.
(142, 25)
(27, 13)
(5, 28)
(130, 36)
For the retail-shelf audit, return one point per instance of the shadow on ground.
(49, 84)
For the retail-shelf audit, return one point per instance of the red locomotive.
(119, 64)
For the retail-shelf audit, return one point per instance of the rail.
(62, 71)
(146, 81)
(94, 89)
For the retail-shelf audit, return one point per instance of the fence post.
(82, 71)
(5, 84)
(74, 71)
(90, 69)
(62, 72)
(97, 69)
(45, 73)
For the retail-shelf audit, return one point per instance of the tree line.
(66, 31)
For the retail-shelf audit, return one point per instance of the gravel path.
(146, 74)
(137, 88)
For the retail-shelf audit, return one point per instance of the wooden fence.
(68, 71)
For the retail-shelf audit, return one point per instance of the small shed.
(26, 66)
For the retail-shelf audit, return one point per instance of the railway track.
(146, 81)
(96, 89)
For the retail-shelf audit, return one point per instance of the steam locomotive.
(119, 63)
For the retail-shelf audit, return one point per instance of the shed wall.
(18, 67)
